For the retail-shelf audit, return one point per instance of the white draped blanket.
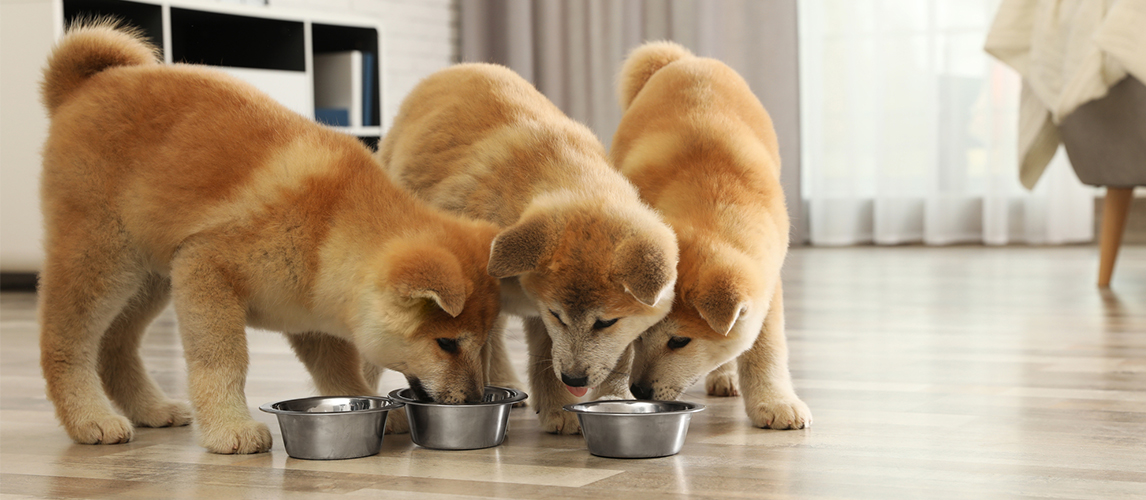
(1068, 52)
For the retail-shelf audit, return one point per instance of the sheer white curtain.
(908, 131)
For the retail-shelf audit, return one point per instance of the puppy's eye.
(602, 324)
(448, 345)
(678, 342)
(554, 313)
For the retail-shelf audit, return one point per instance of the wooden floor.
(961, 372)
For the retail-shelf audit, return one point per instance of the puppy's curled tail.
(88, 48)
(642, 63)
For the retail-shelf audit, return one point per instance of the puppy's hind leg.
(396, 422)
(333, 363)
(88, 277)
(372, 373)
(121, 368)
(212, 321)
(339, 370)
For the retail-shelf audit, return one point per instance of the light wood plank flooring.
(962, 372)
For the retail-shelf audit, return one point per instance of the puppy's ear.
(430, 272)
(521, 247)
(646, 270)
(720, 296)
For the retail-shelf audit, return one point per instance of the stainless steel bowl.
(332, 428)
(634, 429)
(461, 426)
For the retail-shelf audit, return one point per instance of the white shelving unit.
(269, 47)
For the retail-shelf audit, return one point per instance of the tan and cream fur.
(179, 182)
(702, 150)
(584, 262)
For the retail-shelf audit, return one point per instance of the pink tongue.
(577, 391)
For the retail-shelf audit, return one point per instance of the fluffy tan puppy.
(178, 181)
(585, 263)
(702, 150)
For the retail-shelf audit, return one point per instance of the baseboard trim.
(18, 282)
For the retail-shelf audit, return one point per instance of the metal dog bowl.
(462, 426)
(634, 429)
(332, 428)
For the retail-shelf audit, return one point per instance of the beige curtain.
(571, 50)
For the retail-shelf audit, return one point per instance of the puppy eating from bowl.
(702, 150)
(584, 262)
(177, 182)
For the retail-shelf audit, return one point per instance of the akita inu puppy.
(581, 256)
(702, 150)
(178, 181)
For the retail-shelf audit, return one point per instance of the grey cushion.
(1106, 138)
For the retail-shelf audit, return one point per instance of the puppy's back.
(480, 140)
(668, 92)
(131, 138)
(702, 149)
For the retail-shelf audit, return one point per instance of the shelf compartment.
(216, 39)
(328, 39)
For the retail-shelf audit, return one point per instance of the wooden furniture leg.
(1114, 212)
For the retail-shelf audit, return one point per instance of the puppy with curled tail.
(179, 182)
(702, 150)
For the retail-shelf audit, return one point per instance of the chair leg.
(1114, 211)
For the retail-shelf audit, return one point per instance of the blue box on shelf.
(335, 117)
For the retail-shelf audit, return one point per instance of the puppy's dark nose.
(574, 381)
(642, 391)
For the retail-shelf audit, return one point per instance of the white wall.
(23, 44)
(420, 38)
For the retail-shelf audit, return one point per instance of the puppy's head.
(719, 310)
(431, 316)
(598, 276)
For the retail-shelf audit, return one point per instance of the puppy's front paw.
(397, 422)
(559, 422)
(722, 384)
(242, 437)
(780, 413)
(108, 428)
(168, 413)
